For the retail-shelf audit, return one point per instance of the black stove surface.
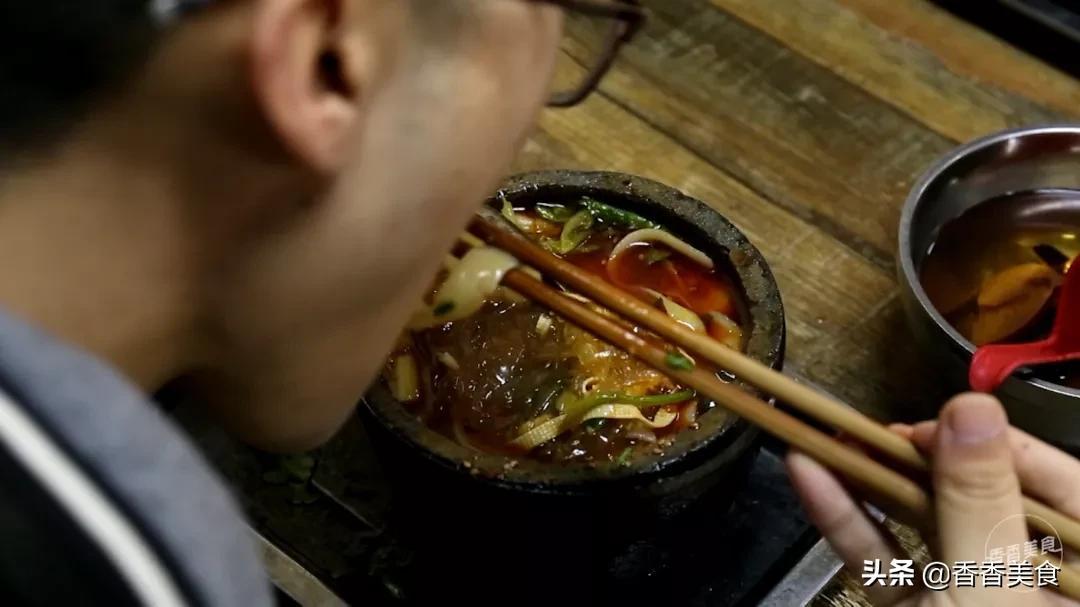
(1048, 29)
(1058, 15)
(326, 511)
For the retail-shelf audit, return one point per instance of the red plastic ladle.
(993, 364)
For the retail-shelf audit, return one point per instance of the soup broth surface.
(993, 272)
(513, 367)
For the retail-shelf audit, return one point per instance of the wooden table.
(805, 122)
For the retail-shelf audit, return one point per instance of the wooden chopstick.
(869, 474)
(889, 489)
(807, 400)
(492, 229)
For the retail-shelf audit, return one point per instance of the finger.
(1045, 472)
(903, 430)
(1048, 475)
(847, 527)
(923, 435)
(977, 492)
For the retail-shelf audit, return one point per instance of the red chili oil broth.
(508, 374)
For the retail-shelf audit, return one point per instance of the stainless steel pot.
(1010, 161)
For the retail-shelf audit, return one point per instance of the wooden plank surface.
(971, 52)
(808, 140)
(805, 122)
(907, 76)
(824, 314)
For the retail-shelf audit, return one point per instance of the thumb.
(979, 506)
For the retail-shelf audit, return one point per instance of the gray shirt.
(102, 500)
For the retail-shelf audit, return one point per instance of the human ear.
(310, 70)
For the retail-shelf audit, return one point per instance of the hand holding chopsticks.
(889, 488)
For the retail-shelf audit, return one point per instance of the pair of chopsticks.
(888, 488)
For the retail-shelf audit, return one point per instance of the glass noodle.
(499, 374)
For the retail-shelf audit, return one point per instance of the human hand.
(978, 466)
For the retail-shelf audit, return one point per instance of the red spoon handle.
(993, 364)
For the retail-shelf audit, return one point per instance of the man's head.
(299, 167)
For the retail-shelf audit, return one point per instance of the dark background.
(1048, 29)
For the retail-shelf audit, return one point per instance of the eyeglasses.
(619, 21)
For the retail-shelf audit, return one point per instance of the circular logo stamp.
(1025, 566)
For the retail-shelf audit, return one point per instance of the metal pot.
(1011, 161)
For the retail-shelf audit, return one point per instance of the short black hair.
(58, 57)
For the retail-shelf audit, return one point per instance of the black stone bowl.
(487, 525)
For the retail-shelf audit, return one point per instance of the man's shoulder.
(94, 465)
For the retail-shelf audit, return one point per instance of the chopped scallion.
(511, 216)
(612, 215)
(679, 362)
(554, 212)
